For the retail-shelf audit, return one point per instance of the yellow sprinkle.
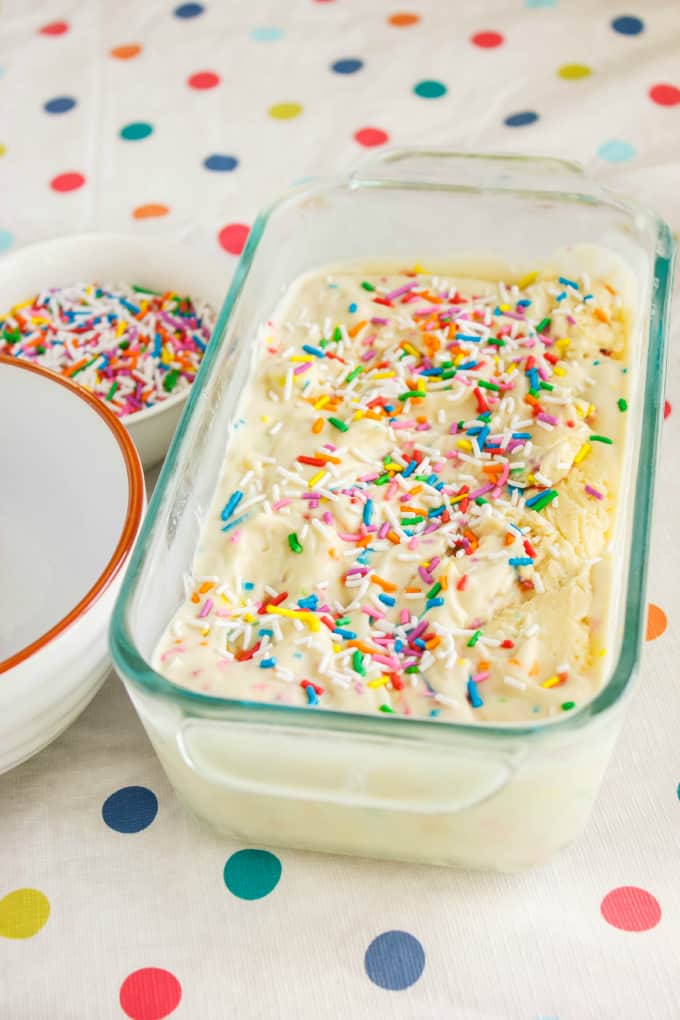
(383, 375)
(316, 478)
(559, 370)
(512, 368)
(24, 304)
(205, 632)
(464, 444)
(264, 418)
(582, 453)
(281, 380)
(249, 618)
(299, 357)
(122, 326)
(392, 466)
(531, 478)
(225, 599)
(527, 280)
(462, 662)
(410, 349)
(551, 681)
(380, 682)
(504, 308)
(418, 268)
(321, 402)
(359, 413)
(296, 614)
(563, 343)
(459, 498)
(602, 652)
(166, 357)
(337, 648)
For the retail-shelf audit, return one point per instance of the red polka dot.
(665, 95)
(67, 182)
(233, 237)
(54, 28)
(666, 408)
(370, 136)
(203, 80)
(631, 909)
(150, 994)
(487, 40)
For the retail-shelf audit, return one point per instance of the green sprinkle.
(496, 342)
(110, 394)
(622, 404)
(386, 708)
(546, 498)
(123, 345)
(145, 290)
(170, 380)
(383, 480)
(405, 521)
(480, 501)
(543, 324)
(366, 285)
(412, 393)
(474, 639)
(412, 669)
(354, 373)
(86, 365)
(11, 335)
(567, 705)
(337, 424)
(41, 349)
(294, 542)
(342, 621)
(601, 439)
(547, 386)
(484, 385)
(337, 334)
(448, 373)
(358, 663)
(323, 344)
(434, 591)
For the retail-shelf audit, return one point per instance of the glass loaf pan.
(492, 797)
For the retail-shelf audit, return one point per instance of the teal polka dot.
(252, 874)
(136, 131)
(429, 89)
(616, 151)
(6, 240)
(266, 34)
(541, 3)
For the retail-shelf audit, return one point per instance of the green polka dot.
(252, 874)
(136, 131)
(571, 72)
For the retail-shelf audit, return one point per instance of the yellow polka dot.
(285, 111)
(573, 71)
(656, 622)
(23, 912)
(3, 150)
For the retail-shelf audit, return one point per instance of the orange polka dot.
(403, 20)
(150, 211)
(126, 52)
(656, 622)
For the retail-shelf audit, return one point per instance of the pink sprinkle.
(393, 294)
(372, 611)
(377, 321)
(478, 677)
(222, 612)
(383, 529)
(386, 660)
(413, 544)
(403, 616)
(330, 446)
(367, 355)
(327, 517)
(392, 489)
(549, 419)
(571, 320)
(281, 503)
(370, 477)
(172, 651)
(453, 429)
(425, 575)
(593, 492)
(299, 369)
(235, 536)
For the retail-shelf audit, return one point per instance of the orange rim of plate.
(133, 514)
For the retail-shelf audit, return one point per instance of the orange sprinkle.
(509, 538)
(318, 425)
(195, 598)
(534, 671)
(433, 642)
(357, 328)
(412, 591)
(415, 490)
(326, 457)
(483, 665)
(393, 537)
(373, 415)
(514, 662)
(444, 582)
(363, 647)
(206, 586)
(612, 290)
(74, 368)
(382, 583)
(333, 554)
(601, 315)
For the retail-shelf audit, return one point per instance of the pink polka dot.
(67, 182)
(233, 237)
(203, 80)
(150, 994)
(370, 136)
(631, 909)
(54, 28)
(667, 408)
(487, 40)
(665, 95)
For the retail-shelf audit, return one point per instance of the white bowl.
(119, 258)
(72, 502)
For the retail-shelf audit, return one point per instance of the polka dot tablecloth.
(181, 121)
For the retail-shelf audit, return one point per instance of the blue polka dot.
(628, 25)
(130, 809)
(521, 119)
(430, 89)
(252, 874)
(394, 960)
(60, 104)
(350, 65)
(220, 162)
(6, 240)
(266, 34)
(616, 151)
(189, 10)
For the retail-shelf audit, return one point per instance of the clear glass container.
(494, 797)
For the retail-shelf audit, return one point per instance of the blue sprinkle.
(353, 307)
(520, 561)
(483, 436)
(231, 505)
(467, 364)
(368, 512)
(436, 511)
(387, 600)
(398, 645)
(158, 341)
(533, 378)
(130, 307)
(566, 282)
(238, 520)
(432, 479)
(309, 602)
(348, 635)
(419, 643)
(432, 603)
(409, 469)
(316, 351)
(434, 712)
(248, 585)
(431, 371)
(474, 430)
(265, 632)
(389, 408)
(365, 556)
(298, 655)
(468, 336)
(267, 663)
(473, 694)
(521, 435)
(534, 499)
(524, 303)
(311, 695)
(561, 296)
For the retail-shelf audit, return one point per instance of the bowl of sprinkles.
(127, 319)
